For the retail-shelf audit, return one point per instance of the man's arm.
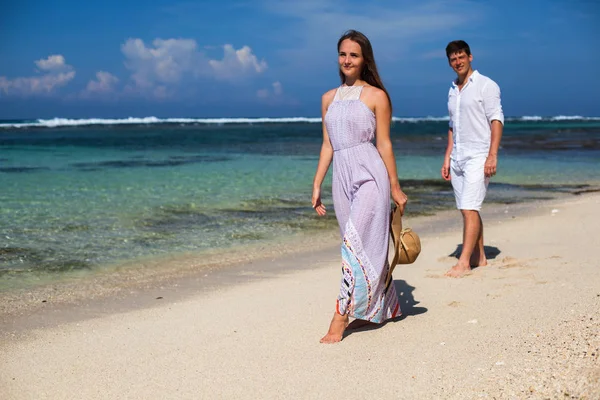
(491, 163)
(446, 164)
(495, 116)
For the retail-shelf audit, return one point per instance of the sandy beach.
(525, 327)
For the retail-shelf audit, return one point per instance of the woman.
(364, 176)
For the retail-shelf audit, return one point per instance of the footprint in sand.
(511, 262)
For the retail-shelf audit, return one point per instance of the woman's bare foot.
(360, 323)
(458, 271)
(336, 329)
(477, 260)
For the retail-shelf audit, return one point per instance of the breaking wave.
(67, 122)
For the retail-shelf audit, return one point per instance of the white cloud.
(160, 68)
(55, 73)
(237, 63)
(105, 83)
(275, 91)
(166, 62)
(52, 63)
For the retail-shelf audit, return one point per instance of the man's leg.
(470, 186)
(472, 232)
(478, 257)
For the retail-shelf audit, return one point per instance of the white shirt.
(472, 110)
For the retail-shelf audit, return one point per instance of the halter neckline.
(348, 92)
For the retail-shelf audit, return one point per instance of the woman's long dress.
(361, 199)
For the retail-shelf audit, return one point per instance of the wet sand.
(526, 326)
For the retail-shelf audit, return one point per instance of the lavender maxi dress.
(361, 199)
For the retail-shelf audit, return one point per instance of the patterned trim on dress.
(348, 245)
(358, 294)
(346, 290)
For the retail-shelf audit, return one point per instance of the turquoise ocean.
(81, 195)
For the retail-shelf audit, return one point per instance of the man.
(476, 123)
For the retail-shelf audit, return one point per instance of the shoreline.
(119, 287)
(134, 277)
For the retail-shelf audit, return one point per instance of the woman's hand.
(316, 202)
(399, 198)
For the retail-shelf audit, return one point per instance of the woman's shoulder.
(374, 97)
(330, 93)
(328, 96)
(374, 92)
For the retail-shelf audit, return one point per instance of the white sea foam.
(567, 117)
(536, 118)
(420, 119)
(58, 122)
(529, 118)
(66, 122)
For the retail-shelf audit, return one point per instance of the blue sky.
(275, 58)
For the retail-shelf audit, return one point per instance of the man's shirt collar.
(472, 78)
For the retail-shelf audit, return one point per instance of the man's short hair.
(457, 46)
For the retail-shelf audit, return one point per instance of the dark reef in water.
(22, 169)
(32, 260)
(138, 162)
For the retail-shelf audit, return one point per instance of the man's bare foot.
(458, 271)
(336, 329)
(360, 323)
(477, 261)
(481, 263)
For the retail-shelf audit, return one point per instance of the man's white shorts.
(469, 182)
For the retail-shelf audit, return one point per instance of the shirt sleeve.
(491, 102)
(450, 110)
